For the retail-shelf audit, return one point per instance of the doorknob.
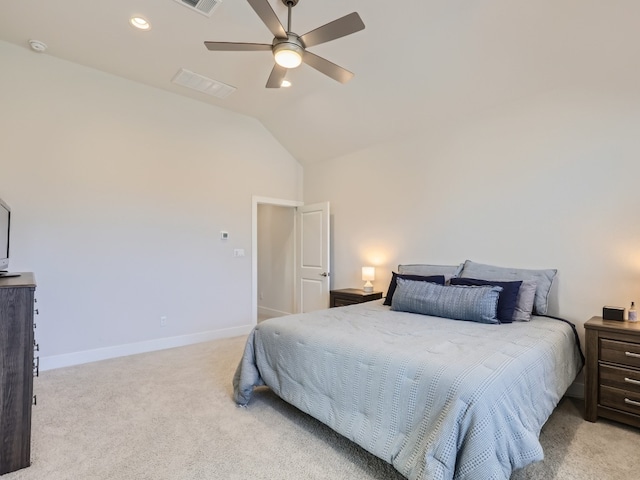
(324, 274)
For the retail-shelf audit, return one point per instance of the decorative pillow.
(508, 297)
(449, 271)
(524, 303)
(542, 278)
(439, 279)
(477, 304)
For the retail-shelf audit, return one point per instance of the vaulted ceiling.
(417, 64)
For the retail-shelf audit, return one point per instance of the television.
(5, 228)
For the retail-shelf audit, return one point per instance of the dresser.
(349, 296)
(17, 368)
(612, 381)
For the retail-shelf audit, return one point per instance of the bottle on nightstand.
(633, 314)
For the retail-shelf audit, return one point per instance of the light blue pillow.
(476, 304)
(542, 278)
(524, 302)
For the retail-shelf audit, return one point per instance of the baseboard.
(271, 312)
(575, 390)
(87, 356)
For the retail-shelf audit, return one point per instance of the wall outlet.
(163, 321)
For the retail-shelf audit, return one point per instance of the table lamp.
(368, 274)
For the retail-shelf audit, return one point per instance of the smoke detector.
(37, 46)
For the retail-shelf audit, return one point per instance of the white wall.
(119, 193)
(276, 256)
(551, 181)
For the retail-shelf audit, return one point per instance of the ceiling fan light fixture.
(288, 55)
(288, 58)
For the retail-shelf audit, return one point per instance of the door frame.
(255, 201)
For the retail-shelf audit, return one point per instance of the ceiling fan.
(290, 49)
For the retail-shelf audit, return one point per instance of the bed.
(436, 397)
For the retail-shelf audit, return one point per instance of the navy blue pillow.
(506, 301)
(439, 279)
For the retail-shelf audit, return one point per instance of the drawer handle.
(632, 402)
(36, 367)
(631, 354)
(632, 381)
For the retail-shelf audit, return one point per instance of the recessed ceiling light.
(140, 23)
(285, 83)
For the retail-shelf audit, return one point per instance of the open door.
(313, 257)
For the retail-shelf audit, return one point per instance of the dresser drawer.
(621, 378)
(620, 399)
(623, 353)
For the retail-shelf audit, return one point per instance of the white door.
(313, 257)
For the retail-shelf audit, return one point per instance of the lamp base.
(368, 287)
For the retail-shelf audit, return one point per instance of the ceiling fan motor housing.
(291, 44)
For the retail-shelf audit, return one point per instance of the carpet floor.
(169, 415)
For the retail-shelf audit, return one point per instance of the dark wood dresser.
(17, 366)
(349, 296)
(612, 381)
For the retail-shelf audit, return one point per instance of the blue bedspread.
(436, 398)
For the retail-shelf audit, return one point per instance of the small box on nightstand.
(613, 313)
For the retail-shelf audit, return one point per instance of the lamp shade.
(368, 273)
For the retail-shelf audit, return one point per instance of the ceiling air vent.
(202, 84)
(205, 7)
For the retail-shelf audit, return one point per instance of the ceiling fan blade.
(338, 28)
(237, 47)
(330, 69)
(277, 76)
(269, 17)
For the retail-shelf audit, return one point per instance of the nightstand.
(349, 296)
(612, 380)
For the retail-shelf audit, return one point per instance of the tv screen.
(5, 225)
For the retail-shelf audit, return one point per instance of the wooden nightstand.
(612, 380)
(349, 296)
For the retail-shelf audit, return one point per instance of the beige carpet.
(169, 415)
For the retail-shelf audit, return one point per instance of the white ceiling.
(418, 64)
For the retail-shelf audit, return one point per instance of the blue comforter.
(437, 398)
